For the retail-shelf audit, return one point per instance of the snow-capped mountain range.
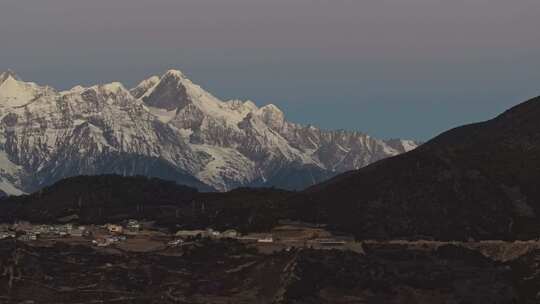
(166, 127)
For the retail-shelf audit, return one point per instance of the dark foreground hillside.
(113, 198)
(228, 272)
(477, 181)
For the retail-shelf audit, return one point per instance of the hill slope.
(114, 198)
(478, 181)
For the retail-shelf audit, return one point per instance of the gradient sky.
(391, 68)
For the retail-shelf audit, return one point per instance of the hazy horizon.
(407, 68)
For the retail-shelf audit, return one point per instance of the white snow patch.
(226, 165)
(176, 73)
(408, 145)
(163, 115)
(14, 93)
(186, 133)
(8, 168)
(113, 87)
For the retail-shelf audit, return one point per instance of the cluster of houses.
(117, 233)
(25, 231)
(108, 240)
(208, 233)
(6, 234)
(227, 234)
(110, 234)
(287, 235)
(131, 227)
(183, 235)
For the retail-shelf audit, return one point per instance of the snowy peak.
(192, 104)
(15, 93)
(112, 88)
(8, 74)
(144, 86)
(250, 105)
(402, 145)
(175, 73)
(272, 116)
(169, 93)
(77, 88)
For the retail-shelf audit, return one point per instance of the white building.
(267, 239)
(115, 228)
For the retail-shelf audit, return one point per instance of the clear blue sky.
(391, 68)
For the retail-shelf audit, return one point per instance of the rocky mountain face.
(166, 127)
(477, 181)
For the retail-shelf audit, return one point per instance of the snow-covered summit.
(169, 127)
(8, 74)
(144, 86)
(175, 73)
(272, 115)
(14, 92)
(113, 87)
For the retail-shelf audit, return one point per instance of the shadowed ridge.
(478, 180)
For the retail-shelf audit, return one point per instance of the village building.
(102, 242)
(28, 237)
(257, 237)
(133, 226)
(79, 232)
(115, 228)
(7, 235)
(267, 239)
(231, 233)
(22, 226)
(174, 243)
(212, 233)
(190, 233)
(61, 231)
(41, 229)
(69, 227)
(23, 238)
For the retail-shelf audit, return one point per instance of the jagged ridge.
(166, 127)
